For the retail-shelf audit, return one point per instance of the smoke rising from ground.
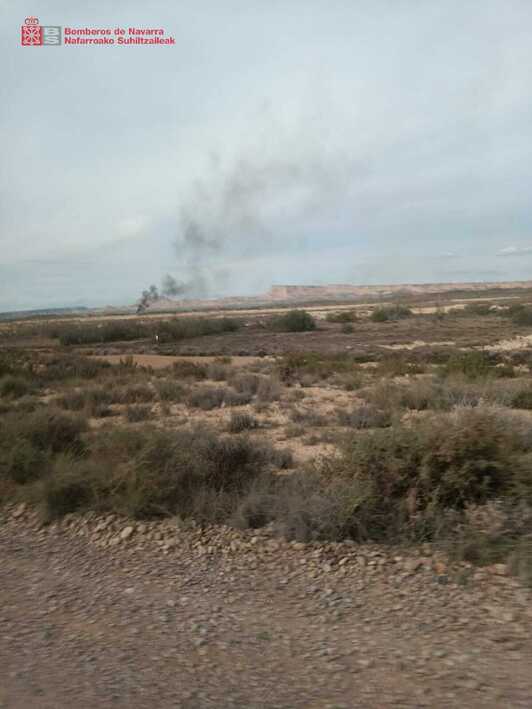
(149, 296)
(238, 214)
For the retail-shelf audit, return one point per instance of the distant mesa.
(299, 294)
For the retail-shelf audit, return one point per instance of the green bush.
(193, 473)
(30, 440)
(520, 315)
(14, 386)
(478, 309)
(24, 462)
(71, 486)
(46, 430)
(522, 400)
(295, 365)
(389, 313)
(182, 328)
(83, 333)
(472, 365)
(404, 478)
(344, 316)
(294, 321)
(148, 472)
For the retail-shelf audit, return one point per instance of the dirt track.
(265, 625)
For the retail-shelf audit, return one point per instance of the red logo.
(31, 33)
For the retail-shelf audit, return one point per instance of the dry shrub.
(308, 417)
(362, 417)
(218, 371)
(245, 383)
(407, 475)
(169, 390)
(93, 401)
(242, 422)
(148, 472)
(209, 397)
(522, 399)
(206, 397)
(236, 398)
(14, 386)
(137, 413)
(398, 365)
(134, 394)
(294, 430)
(187, 369)
(30, 440)
(61, 367)
(268, 389)
(171, 330)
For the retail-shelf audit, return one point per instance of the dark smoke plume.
(148, 296)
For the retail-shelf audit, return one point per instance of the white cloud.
(515, 251)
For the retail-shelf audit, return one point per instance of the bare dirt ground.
(182, 618)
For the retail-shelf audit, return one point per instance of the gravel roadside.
(100, 612)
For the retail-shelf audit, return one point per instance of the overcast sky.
(279, 141)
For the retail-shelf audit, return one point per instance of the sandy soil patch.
(521, 342)
(418, 343)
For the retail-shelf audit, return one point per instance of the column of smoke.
(147, 298)
(233, 215)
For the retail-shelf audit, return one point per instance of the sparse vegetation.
(84, 333)
(472, 365)
(415, 440)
